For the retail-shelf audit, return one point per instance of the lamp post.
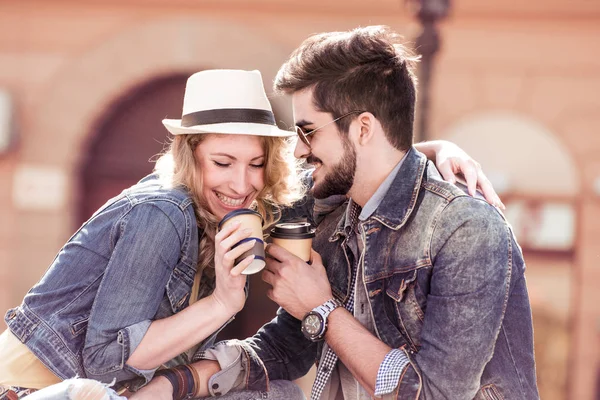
(6, 121)
(428, 12)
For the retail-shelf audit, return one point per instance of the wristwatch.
(314, 324)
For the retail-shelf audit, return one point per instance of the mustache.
(313, 160)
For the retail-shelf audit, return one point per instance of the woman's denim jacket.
(132, 262)
(445, 283)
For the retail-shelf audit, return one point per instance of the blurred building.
(84, 85)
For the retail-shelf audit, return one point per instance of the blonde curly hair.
(177, 167)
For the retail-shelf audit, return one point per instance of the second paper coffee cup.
(249, 219)
(295, 237)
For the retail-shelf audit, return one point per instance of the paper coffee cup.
(295, 237)
(249, 219)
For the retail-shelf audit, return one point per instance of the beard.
(341, 177)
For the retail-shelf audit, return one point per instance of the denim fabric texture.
(279, 390)
(445, 281)
(132, 262)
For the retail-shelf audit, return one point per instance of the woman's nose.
(239, 183)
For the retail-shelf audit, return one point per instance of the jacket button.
(215, 386)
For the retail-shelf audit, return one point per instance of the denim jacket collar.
(400, 200)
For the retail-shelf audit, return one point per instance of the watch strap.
(326, 308)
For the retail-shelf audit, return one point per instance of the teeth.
(229, 201)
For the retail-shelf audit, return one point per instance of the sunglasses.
(303, 135)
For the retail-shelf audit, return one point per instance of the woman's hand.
(230, 283)
(159, 388)
(451, 161)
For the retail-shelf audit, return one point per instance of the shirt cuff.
(130, 338)
(231, 376)
(390, 371)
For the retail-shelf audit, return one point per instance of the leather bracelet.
(183, 379)
(196, 380)
(171, 377)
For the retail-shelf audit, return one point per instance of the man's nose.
(301, 150)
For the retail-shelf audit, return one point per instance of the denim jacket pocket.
(179, 288)
(489, 392)
(403, 289)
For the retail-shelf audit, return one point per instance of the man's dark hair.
(365, 69)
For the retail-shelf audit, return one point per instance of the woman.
(147, 282)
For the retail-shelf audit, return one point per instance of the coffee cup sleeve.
(258, 250)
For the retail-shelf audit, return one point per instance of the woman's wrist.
(222, 307)
(430, 148)
(205, 370)
(160, 384)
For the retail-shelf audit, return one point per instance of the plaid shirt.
(389, 372)
(396, 360)
(330, 360)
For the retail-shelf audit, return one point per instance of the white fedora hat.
(226, 101)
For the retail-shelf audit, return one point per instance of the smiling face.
(232, 171)
(332, 155)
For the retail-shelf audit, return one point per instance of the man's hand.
(298, 287)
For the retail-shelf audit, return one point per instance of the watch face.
(312, 324)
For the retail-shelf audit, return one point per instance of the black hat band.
(227, 115)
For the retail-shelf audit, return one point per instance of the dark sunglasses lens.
(302, 136)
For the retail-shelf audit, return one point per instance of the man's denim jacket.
(445, 282)
(132, 262)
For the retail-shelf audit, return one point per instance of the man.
(415, 289)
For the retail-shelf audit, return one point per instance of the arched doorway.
(121, 151)
(126, 138)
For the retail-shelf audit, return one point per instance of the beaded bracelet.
(184, 380)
